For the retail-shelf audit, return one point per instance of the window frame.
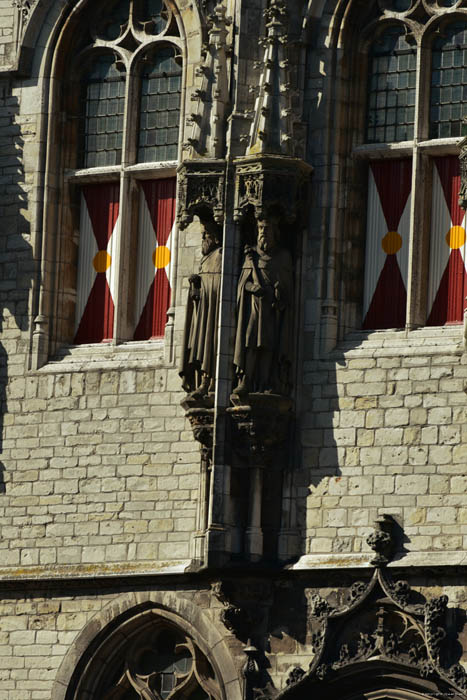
(421, 149)
(62, 210)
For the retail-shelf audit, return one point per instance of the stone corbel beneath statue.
(201, 186)
(276, 184)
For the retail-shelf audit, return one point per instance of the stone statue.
(263, 346)
(201, 324)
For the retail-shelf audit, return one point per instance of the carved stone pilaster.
(272, 185)
(260, 432)
(200, 190)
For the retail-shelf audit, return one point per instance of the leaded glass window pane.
(104, 91)
(391, 93)
(160, 108)
(448, 101)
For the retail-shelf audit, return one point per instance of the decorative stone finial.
(272, 128)
(381, 540)
(211, 97)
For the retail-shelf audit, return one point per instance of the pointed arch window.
(123, 136)
(148, 658)
(416, 255)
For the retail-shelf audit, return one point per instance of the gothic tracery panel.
(149, 658)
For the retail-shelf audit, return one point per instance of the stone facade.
(122, 501)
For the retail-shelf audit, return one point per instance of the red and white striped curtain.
(387, 243)
(96, 264)
(447, 286)
(156, 221)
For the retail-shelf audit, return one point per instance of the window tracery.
(123, 133)
(153, 660)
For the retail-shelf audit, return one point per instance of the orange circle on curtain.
(392, 242)
(102, 261)
(455, 237)
(161, 257)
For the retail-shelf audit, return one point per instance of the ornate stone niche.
(200, 189)
(272, 184)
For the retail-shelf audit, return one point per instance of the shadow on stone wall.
(16, 259)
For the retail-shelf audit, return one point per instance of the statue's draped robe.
(201, 324)
(263, 322)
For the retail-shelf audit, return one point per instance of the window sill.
(441, 340)
(383, 150)
(107, 356)
(448, 146)
(112, 172)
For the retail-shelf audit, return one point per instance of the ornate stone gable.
(383, 623)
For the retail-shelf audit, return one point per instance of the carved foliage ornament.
(382, 621)
(242, 613)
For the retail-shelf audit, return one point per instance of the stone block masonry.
(386, 432)
(94, 473)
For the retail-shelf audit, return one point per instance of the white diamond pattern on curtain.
(96, 265)
(447, 286)
(386, 258)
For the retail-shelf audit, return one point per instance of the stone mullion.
(123, 328)
(418, 244)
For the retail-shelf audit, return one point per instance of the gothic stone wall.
(386, 432)
(46, 628)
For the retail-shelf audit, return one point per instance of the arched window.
(147, 657)
(121, 66)
(415, 264)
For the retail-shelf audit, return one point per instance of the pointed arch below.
(377, 680)
(121, 617)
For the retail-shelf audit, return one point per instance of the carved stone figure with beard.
(201, 323)
(263, 345)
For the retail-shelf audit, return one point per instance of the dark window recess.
(102, 125)
(391, 89)
(160, 108)
(115, 22)
(401, 5)
(448, 102)
(154, 12)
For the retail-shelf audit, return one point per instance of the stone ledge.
(362, 561)
(94, 571)
(85, 358)
(446, 340)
